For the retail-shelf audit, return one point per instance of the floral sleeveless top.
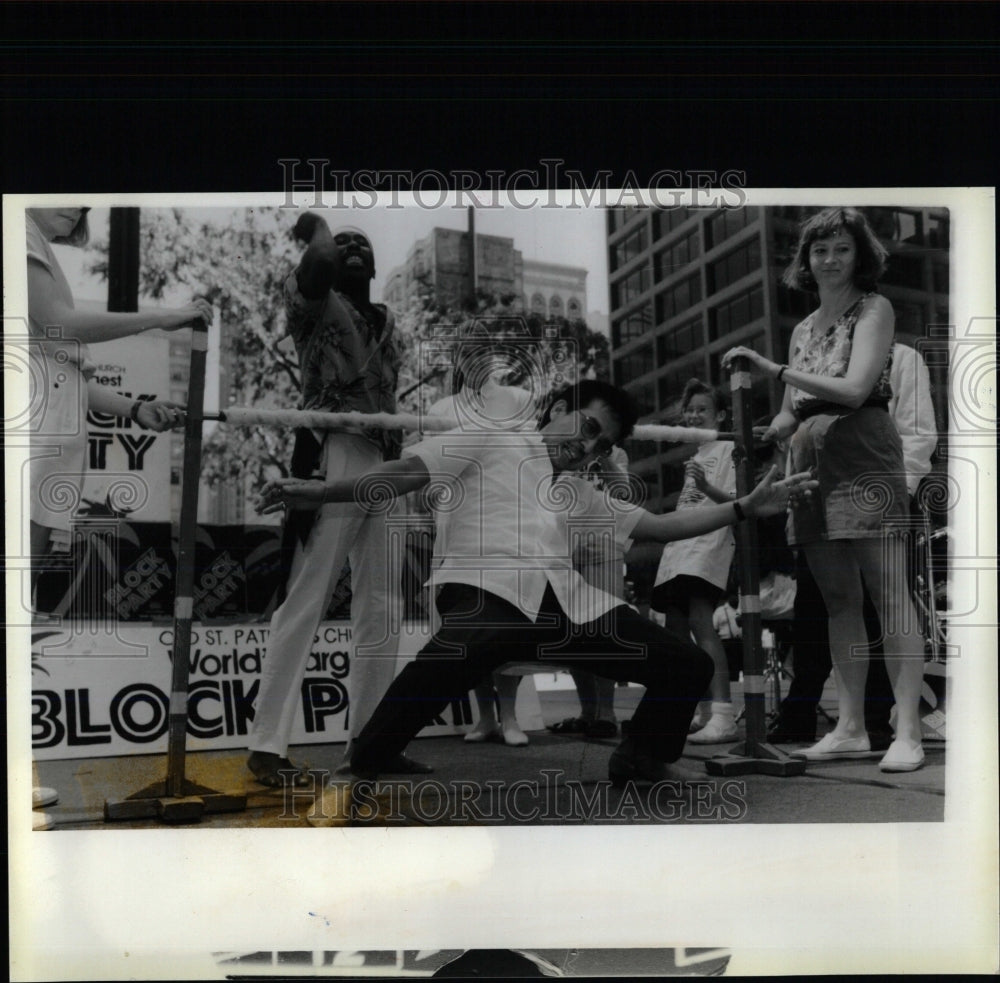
(828, 353)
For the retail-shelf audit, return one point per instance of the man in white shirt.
(508, 582)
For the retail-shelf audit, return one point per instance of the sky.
(572, 236)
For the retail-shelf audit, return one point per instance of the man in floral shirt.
(349, 360)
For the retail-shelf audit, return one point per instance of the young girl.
(693, 573)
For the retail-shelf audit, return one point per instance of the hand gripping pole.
(754, 756)
(177, 800)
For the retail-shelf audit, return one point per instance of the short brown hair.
(830, 222)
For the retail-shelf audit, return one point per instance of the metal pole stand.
(754, 756)
(177, 800)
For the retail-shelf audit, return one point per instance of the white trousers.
(341, 532)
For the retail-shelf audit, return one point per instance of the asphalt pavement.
(553, 780)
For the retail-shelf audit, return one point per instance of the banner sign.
(124, 571)
(128, 468)
(108, 695)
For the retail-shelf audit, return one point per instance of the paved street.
(554, 780)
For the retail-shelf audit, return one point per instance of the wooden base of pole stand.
(153, 802)
(761, 759)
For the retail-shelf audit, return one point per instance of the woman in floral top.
(835, 411)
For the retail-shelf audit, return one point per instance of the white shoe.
(41, 797)
(902, 756)
(481, 736)
(833, 748)
(716, 731)
(514, 736)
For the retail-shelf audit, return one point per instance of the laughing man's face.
(355, 258)
(573, 438)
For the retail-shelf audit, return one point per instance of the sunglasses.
(590, 429)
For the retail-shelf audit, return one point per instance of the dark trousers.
(812, 663)
(480, 632)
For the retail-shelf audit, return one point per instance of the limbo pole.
(177, 800)
(244, 416)
(754, 755)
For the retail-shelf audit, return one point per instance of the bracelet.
(134, 414)
(738, 509)
(781, 372)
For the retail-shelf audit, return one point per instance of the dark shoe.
(402, 765)
(571, 725)
(880, 738)
(784, 731)
(274, 771)
(600, 729)
(641, 769)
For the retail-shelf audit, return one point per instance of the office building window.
(679, 341)
(728, 222)
(625, 291)
(937, 231)
(667, 219)
(633, 325)
(939, 275)
(734, 314)
(908, 226)
(635, 364)
(678, 298)
(794, 303)
(910, 317)
(629, 247)
(676, 256)
(733, 266)
(904, 271)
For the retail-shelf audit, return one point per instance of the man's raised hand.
(770, 497)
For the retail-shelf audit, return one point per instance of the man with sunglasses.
(508, 583)
(349, 361)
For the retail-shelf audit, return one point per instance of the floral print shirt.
(828, 353)
(347, 363)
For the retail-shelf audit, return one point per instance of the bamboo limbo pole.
(754, 755)
(177, 800)
(242, 416)
(184, 591)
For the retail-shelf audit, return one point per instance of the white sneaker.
(41, 797)
(716, 731)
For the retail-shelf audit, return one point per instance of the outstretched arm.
(389, 480)
(768, 498)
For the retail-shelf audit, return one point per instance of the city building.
(687, 284)
(554, 290)
(440, 262)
